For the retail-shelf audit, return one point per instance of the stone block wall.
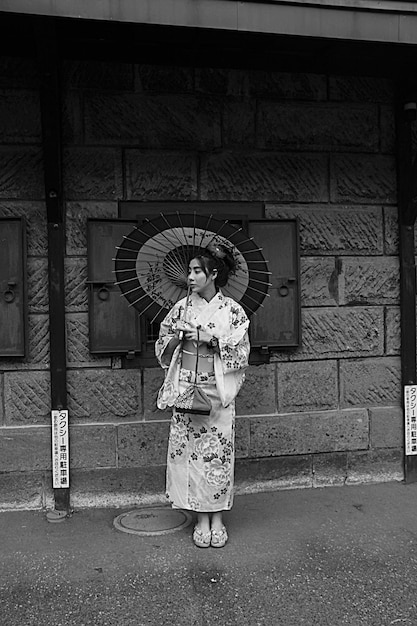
(316, 147)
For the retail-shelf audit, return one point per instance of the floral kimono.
(200, 464)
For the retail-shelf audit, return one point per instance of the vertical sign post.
(49, 62)
(410, 415)
(407, 212)
(60, 450)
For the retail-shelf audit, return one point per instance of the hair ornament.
(216, 250)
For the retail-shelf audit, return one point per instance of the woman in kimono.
(200, 464)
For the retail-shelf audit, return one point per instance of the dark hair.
(217, 257)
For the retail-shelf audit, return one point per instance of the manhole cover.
(152, 521)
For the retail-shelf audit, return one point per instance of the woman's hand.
(181, 328)
(192, 333)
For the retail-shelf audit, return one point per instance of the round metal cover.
(159, 520)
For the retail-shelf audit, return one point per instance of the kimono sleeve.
(235, 347)
(167, 332)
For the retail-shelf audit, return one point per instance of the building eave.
(352, 20)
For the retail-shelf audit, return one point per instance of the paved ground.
(345, 555)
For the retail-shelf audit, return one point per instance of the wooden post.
(407, 209)
(52, 162)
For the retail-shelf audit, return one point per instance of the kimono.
(201, 452)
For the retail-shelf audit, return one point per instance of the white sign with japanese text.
(410, 409)
(60, 449)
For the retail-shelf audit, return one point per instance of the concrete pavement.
(331, 556)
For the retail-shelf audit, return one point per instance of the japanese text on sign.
(410, 408)
(60, 449)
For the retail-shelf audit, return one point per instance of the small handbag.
(193, 399)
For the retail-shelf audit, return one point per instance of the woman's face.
(197, 279)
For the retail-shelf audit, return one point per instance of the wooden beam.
(411, 195)
(52, 162)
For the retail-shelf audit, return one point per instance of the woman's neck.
(209, 295)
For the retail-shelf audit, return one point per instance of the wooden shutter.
(277, 323)
(13, 309)
(113, 324)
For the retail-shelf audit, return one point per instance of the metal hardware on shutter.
(9, 294)
(103, 289)
(13, 309)
(113, 325)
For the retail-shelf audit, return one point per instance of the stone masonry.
(315, 147)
